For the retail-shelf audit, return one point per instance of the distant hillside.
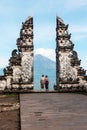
(42, 65)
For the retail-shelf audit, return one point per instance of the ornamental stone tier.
(69, 74)
(19, 74)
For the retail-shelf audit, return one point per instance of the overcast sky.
(44, 12)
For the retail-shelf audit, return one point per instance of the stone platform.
(53, 111)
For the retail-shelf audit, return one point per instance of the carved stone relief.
(27, 65)
(16, 74)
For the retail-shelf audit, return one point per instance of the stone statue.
(8, 70)
(15, 59)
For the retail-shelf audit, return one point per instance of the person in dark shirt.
(46, 82)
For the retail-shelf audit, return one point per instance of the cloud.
(71, 5)
(49, 53)
(78, 28)
(78, 32)
(79, 37)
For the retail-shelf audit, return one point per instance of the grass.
(11, 94)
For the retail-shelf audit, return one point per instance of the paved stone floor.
(53, 111)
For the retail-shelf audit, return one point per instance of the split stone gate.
(18, 75)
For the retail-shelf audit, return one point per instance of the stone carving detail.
(15, 59)
(68, 70)
(26, 35)
(8, 71)
(27, 65)
(74, 59)
(81, 71)
(16, 74)
(2, 84)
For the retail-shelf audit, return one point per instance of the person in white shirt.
(42, 82)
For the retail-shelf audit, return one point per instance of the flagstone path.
(53, 111)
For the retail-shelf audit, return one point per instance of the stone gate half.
(19, 73)
(69, 74)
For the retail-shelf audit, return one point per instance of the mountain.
(42, 65)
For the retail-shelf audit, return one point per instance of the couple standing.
(44, 81)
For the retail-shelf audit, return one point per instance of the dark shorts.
(42, 86)
(46, 85)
